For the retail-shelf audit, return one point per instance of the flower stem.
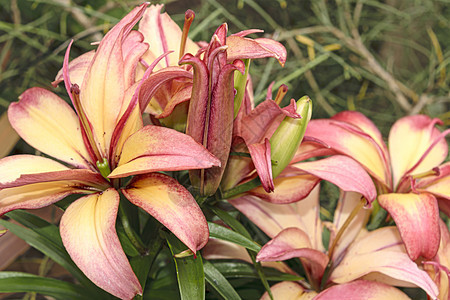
(242, 188)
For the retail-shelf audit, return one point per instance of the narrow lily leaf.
(49, 124)
(245, 270)
(172, 205)
(223, 233)
(231, 221)
(362, 289)
(17, 282)
(38, 225)
(219, 282)
(54, 251)
(155, 148)
(190, 274)
(89, 235)
(417, 219)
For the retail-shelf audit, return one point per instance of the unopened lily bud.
(288, 136)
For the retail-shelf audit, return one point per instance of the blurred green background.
(386, 58)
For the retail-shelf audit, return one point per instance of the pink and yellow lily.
(99, 143)
(409, 175)
(353, 253)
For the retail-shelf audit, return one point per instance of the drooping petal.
(293, 242)
(155, 148)
(104, 85)
(242, 48)
(410, 140)
(47, 123)
(343, 172)
(291, 185)
(417, 219)
(133, 48)
(381, 251)
(362, 289)
(172, 205)
(273, 218)
(30, 182)
(288, 290)
(261, 159)
(348, 139)
(88, 233)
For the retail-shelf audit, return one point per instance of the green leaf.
(191, 278)
(52, 249)
(38, 225)
(231, 221)
(219, 282)
(17, 282)
(244, 270)
(223, 233)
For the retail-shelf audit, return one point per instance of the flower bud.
(288, 136)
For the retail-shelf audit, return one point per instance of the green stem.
(245, 187)
(131, 234)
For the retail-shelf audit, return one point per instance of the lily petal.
(88, 233)
(291, 186)
(243, 48)
(343, 172)
(261, 158)
(438, 185)
(346, 204)
(348, 139)
(362, 289)
(172, 205)
(163, 34)
(293, 242)
(49, 124)
(155, 148)
(381, 251)
(273, 218)
(410, 140)
(289, 291)
(104, 85)
(77, 69)
(417, 219)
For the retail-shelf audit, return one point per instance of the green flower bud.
(288, 136)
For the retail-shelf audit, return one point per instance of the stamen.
(75, 91)
(282, 90)
(433, 172)
(189, 16)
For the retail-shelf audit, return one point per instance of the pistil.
(189, 16)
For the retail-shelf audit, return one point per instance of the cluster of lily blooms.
(200, 102)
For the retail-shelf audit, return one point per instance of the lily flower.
(99, 143)
(353, 253)
(408, 175)
(257, 129)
